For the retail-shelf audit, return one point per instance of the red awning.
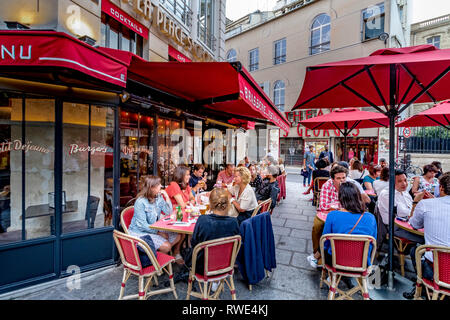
(57, 49)
(365, 81)
(216, 85)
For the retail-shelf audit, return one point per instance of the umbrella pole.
(391, 114)
(345, 141)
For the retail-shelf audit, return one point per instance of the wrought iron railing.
(180, 9)
(428, 140)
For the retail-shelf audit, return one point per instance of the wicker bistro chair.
(318, 183)
(262, 207)
(441, 267)
(125, 218)
(349, 259)
(127, 247)
(219, 259)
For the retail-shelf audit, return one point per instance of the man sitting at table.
(226, 176)
(434, 216)
(329, 199)
(404, 204)
(197, 181)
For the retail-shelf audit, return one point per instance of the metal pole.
(392, 113)
(345, 141)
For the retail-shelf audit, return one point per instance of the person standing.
(351, 154)
(327, 154)
(308, 164)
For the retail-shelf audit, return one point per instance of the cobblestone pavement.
(293, 279)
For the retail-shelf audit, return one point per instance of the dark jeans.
(308, 177)
(244, 216)
(427, 269)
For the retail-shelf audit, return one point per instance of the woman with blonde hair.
(243, 198)
(151, 201)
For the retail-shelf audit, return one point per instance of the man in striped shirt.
(434, 216)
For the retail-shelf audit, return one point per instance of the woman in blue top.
(374, 174)
(343, 220)
(147, 210)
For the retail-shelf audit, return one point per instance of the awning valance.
(57, 49)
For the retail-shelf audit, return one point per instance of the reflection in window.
(435, 41)
(278, 94)
(136, 153)
(373, 22)
(320, 34)
(166, 162)
(88, 133)
(231, 55)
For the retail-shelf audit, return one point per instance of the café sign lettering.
(14, 52)
(169, 27)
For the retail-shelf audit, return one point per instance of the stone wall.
(421, 159)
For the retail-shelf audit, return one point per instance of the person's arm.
(274, 196)
(416, 220)
(365, 197)
(164, 204)
(367, 184)
(325, 195)
(415, 186)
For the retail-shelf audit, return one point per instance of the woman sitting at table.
(255, 181)
(350, 219)
(427, 182)
(243, 197)
(380, 185)
(357, 171)
(151, 201)
(213, 226)
(374, 174)
(178, 190)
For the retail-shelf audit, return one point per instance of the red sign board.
(254, 99)
(174, 53)
(124, 18)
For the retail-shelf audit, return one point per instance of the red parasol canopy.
(439, 115)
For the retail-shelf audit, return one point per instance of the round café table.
(406, 226)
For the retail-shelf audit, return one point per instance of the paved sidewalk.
(293, 279)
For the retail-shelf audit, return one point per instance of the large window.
(88, 137)
(136, 153)
(278, 94)
(279, 51)
(180, 9)
(117, 36)
(253, 56)
(372, 22)
(27, 137)
(435, 41)
(166, 162)
(206, 23)
(231, 55)
(320, 34)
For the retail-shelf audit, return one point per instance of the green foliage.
(432, 132)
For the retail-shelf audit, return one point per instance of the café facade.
(81, 125)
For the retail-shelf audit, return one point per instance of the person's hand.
(165, 195)
(419, 196)
(427, 195)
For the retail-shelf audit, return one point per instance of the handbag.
(145, 260)
(360, 180)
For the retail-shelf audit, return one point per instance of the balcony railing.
(180, 9)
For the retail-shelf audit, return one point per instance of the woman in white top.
(357, 171)
(380, 185)
(243, 197)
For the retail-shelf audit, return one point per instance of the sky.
(421, 9)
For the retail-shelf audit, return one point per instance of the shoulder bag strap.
(356, 224)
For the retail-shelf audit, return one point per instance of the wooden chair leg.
(418, 293)
(126, 275)
(141, 288)
(402, 263)
(205, 291)
(232, 289)
(435, 295)
(332, 292)
(172, 284)
(250, 287)
(189, 289)
(365, 289)
(322, 277)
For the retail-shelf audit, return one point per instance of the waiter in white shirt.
(404, 204)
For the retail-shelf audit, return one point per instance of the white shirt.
(434, 216)
(380, 185)
(247, 200)
(358, 185)
(402, 200)
(355, 174)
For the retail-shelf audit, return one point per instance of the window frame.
(279, 93)
(253, 66)
(136, 41)
(234, 57)
(320, 46)
(202, 30)
(364, 21)
(433, 42)
(283, 49)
